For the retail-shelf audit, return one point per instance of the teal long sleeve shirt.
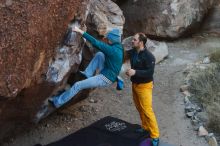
(113, 56)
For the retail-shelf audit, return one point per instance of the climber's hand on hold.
(76, 29)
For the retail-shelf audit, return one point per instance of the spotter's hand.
(130, 72)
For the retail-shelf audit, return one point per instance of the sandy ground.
(175, 128)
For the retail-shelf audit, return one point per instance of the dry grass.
(215, 57)
(205, 86)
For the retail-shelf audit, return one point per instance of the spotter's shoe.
(155, 141)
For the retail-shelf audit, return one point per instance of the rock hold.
(189, 108)
(93, 101)
(212, 140)
(184, 88)
(187, 93)
(186, 100)
(190, 114)
(202, 131)
(196, 123)
(206, 60)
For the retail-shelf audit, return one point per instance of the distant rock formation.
(164, 19)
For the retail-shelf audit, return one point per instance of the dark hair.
(142, 37)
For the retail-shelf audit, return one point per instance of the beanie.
(114, 35)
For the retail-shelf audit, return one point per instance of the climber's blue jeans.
(91, 82)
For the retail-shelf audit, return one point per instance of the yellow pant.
(142, 95)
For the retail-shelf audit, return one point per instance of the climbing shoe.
(155, 141)
(83, 75)
(50, 101)
(46, 109)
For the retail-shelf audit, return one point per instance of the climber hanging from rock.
(107, 61)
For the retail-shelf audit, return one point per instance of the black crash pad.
(108, 131)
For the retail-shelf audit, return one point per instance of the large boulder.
(166, 19)
(104, 15)
(30, 32)
(29, 38)
(40, 55)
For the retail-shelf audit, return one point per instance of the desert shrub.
(205, 86)
(215, 57)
